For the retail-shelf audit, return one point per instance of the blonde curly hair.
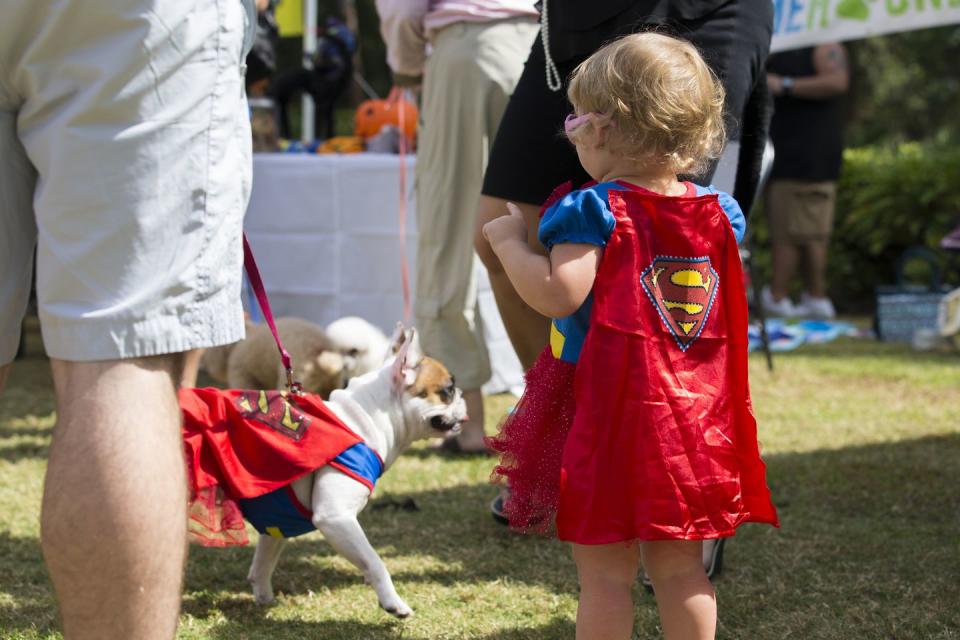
(661, 97)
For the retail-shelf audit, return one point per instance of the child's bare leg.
(607, 573)
(685, 597)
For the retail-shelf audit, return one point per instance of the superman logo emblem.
(274, 410)
(682, 290)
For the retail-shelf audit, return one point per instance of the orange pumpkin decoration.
(373, 115)
(341, 144)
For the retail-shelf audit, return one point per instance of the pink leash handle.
(293, 386)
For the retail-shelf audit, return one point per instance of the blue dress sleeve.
(730, 207)
(580, 217)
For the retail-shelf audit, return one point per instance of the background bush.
(888, 198)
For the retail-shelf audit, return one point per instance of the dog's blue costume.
(281, 515)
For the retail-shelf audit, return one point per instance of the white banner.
(801, 23)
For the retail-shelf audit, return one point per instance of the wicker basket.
(903, 309)
(949, 319)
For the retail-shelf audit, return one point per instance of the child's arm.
(554, 286)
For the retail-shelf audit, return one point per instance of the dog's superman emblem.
(683, 291)
(274, 410)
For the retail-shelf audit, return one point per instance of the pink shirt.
(408, 25)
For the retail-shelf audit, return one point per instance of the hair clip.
(573, 121)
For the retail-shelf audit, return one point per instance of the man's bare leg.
(784, 258)
(113, 525)
(528, 330)
(815, 269)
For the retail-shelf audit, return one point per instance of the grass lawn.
(862, 442)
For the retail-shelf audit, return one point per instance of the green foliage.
(888, 199)
(905, 86)
(891, 198)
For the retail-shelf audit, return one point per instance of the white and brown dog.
(409, 397)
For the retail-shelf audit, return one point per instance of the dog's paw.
(264, 599)
(397, 608)
(263, 596)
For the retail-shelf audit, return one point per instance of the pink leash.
(396, 97)
(261, 293)
(293, 386)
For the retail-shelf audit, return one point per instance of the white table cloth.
(325, 232)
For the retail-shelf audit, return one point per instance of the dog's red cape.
(243, 444)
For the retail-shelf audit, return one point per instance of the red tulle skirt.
(214, 520)
(531, 442)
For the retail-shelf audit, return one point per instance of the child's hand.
(511, 227)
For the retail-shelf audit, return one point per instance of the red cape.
(243, 444)
(252, 442)
(664, 441)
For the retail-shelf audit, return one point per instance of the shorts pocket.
(813, 215)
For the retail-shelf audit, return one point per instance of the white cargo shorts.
(125, 163)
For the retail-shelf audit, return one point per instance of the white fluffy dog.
(362, 345)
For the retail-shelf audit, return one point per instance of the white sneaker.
(777, 308)
(816, 308)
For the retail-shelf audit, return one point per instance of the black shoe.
(713, 557)
(496, 510)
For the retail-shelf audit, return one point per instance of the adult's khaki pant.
(468, 80)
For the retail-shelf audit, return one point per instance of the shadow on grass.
(340, 629)
(263, 627)
(23, 451)
(868, 549)
(868, 538)
(28, 398)
(847, 348)
(29, 603)
(435, 452)
(556, 628)
(452, 533)
(29, 432)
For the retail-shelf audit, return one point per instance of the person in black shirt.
(530, 157)
(807, 85)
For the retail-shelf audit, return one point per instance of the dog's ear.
(404, 368)
(415, 353)
(397, 339)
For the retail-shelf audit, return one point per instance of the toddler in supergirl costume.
(635, 438)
